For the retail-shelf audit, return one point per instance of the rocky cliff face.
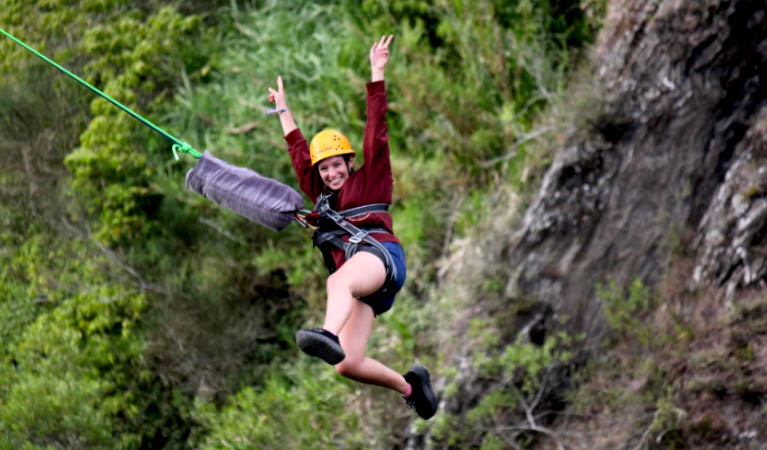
(664, 178)
(673, 155)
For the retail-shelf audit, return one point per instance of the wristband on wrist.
(276, 110)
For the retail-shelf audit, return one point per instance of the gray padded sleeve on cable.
(260, 199)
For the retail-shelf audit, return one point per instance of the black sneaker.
(322, 344)
(422, 399)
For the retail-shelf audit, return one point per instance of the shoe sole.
(423, 375)
(315, 344)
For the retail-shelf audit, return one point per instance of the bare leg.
(352, 320)
(360, 276)
(354, 339)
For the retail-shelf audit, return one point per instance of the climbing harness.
(178, 145)
(330, 225)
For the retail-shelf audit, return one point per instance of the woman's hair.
(348, 158)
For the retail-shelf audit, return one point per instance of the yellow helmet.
(329, 143)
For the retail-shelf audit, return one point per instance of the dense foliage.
(135, 314)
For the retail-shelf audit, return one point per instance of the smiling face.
(334, 171)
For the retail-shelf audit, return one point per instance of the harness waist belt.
(360, 210)
(324, 236)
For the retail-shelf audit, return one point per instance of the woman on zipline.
(367, 272)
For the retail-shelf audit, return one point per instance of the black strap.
(360, 210)
(326, 236)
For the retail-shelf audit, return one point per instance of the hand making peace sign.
(379, 56)
(379, 52)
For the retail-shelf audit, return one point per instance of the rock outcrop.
(664, 178)
(673, 155)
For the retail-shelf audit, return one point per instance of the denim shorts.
(383, 299)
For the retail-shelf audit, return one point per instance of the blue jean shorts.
(383, 299)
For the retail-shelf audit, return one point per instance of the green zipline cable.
(178, 145)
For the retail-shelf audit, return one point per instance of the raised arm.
(298, 149)
(379, 56)
(286, 118)
(375, 145)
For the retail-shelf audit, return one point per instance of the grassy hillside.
(136, 314)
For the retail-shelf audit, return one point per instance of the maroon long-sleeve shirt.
(371, 183)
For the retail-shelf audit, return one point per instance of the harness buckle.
(358, 237)
(323, 204)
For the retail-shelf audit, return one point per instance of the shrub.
(625, 310)
(300, 408)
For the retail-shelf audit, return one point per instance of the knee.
(348, 367)
(335, 283)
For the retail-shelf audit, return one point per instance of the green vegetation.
(522, 376)
(134, 314)
(625, 311)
